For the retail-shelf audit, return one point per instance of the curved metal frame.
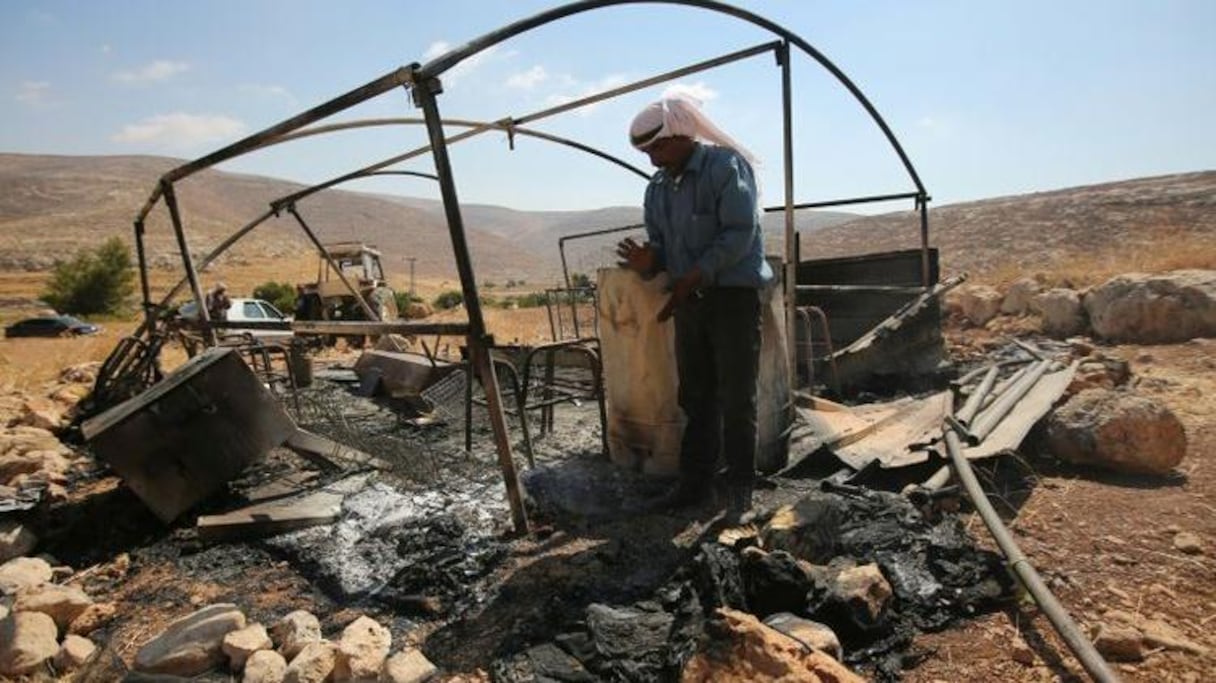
(423, 83)
(446, 61)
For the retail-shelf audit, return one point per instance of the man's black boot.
(739, 504)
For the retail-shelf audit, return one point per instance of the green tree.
(95, 281)
(449, 299)
(281, 294)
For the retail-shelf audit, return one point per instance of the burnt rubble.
(936, 574)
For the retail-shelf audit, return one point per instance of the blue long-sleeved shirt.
(707, 217)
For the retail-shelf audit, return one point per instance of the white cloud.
(435, 49)
(465, 67)
(268, 91)
(180, 130)
(33, 92)
(697, 91)
(528, 79)
(585, 90)
(159, 70)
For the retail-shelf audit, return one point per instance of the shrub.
(99, 280)
(449, 299)
(281, 294)
(404, 299)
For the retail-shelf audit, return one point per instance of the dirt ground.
(1102, 541)
(1105, 542)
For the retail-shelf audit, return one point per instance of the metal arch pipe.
(508, 123)
(446, 61)
(506, 126)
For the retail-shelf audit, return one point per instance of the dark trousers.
(718, 356)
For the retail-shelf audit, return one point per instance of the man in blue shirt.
(703, 226)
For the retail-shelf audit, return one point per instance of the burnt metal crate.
(191, 433)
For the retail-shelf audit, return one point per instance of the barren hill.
(1045, 230)
(50, 206)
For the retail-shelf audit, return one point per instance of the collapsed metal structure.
(423, 82)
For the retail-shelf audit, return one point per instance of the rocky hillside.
(50, 206)
(1047, 229)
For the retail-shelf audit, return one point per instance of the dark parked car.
(51, 326)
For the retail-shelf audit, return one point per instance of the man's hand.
(681, 290)
(640, 258)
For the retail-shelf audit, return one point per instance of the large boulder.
(755, 652)
(193, 644)
(1061, 311)
(1018, 296)
(1154, 309)
(979, 303)
(1117, 430)
(27, 639)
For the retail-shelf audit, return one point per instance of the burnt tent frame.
(422, 82)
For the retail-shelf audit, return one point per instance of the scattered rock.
(42, 413)
(754, 652)
(23, 572)
(294, 631)
(265, 666)
(1117, 430)
(1061, 311)
(1154, 309)
(812, 634)
(27, 639)
(1119, 642)
(773, 582)
(1186, 542)
(92, 618)
(1018, 296)
(864, 590)
(1021, 653)
(807, 529)
(61, 603)
(314, 664)
(1158, 633)
(82, 373)
(243, 642)
(979, 303)
(192, 644)
(362, 649)
(73, 653)
(407, 666)
(1099, 373)
(15, 540)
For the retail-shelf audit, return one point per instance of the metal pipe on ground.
(985, 422)
(1084, 650)
(972, 406)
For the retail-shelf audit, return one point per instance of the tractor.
(330, 298)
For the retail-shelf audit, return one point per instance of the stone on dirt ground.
(1117, 430)
(193, 644)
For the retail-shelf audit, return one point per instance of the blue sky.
(988, 98)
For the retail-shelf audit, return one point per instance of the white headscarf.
(680, 115)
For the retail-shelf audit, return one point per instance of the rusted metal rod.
(1097, 667)
(478, 341)
(192, 275)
